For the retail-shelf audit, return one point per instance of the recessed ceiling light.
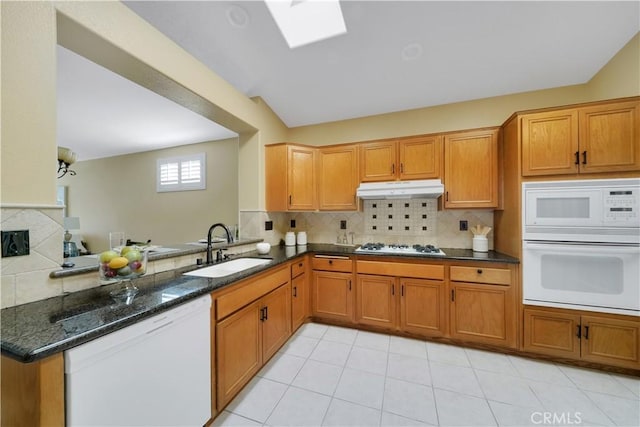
(237, 16)
(411, 51)
(303, 22)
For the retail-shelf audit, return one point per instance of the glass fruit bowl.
(126, 264)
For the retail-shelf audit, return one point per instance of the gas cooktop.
(399, 249)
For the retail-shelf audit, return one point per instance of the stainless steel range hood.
(419, 189)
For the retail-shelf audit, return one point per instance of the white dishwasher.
(156, 372)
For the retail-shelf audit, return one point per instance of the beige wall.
(111, 35)
(28, 104)
(619, 78)
(119, 194)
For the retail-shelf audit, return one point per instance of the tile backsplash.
(408, 218)
(396, 221)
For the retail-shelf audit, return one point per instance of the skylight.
(302, 22)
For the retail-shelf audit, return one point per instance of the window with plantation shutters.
(182, 173)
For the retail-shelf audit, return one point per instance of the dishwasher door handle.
(159, 327)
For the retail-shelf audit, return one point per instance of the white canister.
(290, 238)
(480, 244)
(302, 238)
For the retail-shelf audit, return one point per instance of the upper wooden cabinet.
(404, 159)
(290, 177)
(610, 137)
(471, 169)
(338, 178)
(593, 139)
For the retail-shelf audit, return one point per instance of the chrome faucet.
(209, 247)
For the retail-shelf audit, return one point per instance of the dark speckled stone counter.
(33, 331)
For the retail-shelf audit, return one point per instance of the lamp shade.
(72, 223)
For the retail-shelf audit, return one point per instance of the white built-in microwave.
(598, 210)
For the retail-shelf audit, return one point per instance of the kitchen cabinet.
(410, 304)
(609, 137)
(332, 292)
(483, 305)
(253, 322)
(423, 307)
(600, 338)
(33, 393)
(299, 292)
(471, 169)
(376, 301)
(338, 178)
(591, 139)
(417, 157)
(290, 177)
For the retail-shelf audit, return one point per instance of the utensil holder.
(480, 244)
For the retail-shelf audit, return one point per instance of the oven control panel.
(621, 206)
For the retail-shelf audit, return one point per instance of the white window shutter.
(181, 173)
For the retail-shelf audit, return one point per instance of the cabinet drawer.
(249, 291)
(401, 269)
(298, 267)
(332, 263)
(497, 276)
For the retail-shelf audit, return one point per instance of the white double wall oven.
(581, 244)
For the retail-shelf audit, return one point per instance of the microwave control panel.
(621, 206)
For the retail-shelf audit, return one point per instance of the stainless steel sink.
(229, 267)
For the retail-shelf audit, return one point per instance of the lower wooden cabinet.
(405, 304)
(376, 301)
(607, 339)
(332, 295)
(332, 287)
(238, 352)
(276, 320)
(483, 305)
(482, 313)
(246, 339)
(423, 307)
(299, 296)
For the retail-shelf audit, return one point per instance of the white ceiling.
(396, 55)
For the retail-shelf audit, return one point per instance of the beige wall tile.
(36, 285)
(7, 291)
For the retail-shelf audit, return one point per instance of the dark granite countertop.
(39, 329)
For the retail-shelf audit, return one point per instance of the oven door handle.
(582, 247)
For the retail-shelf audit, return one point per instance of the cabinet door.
(276, 320)
(552, 332)
(299, 300)
(238, 351)
(610, 138)
(483, 313)
(301, 180)
(276, 175)
(338, 178)
(420, 157)
(378, 161)
(332, 297)
(423, 307)
(376, 301)
(550, 143)
(611, 341)
(471, 169)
